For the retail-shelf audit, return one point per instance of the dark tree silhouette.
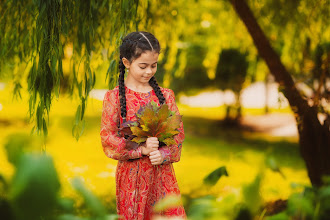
(314, 137)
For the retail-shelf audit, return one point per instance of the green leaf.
(170, 201)
(19, 143)
(3, 185)
(273, 165)
(35, 180)
(83, 106)
(66, 204)
(93, 203)
(78, 114)
(279, 216)
(70, 217)
(202, 208)
(213, 177)
(298, 205)
(44, 126)
(252, 196)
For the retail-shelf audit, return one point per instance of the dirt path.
(275, 124)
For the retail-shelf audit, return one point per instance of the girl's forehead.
(148, 57)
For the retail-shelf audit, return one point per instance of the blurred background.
(251, 78)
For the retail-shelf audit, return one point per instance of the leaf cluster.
(152, 121)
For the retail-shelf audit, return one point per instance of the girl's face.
(142, 68)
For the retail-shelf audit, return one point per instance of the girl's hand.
(156, 157)
(151, 144)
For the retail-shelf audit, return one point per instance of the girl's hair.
(133, 45)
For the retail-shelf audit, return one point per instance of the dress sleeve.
(172, 153)
(113, 145)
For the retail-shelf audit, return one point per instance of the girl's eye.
(146, 67)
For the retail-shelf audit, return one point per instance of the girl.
(144, 175)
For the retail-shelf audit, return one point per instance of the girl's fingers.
(155, 162)
(155, 152)
(154, 156)
(153, 141)
(152, 146)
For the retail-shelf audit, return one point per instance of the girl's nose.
(148, 70)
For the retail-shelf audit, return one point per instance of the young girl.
(144, 175)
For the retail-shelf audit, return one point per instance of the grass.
(208, 145)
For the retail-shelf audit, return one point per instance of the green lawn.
(208, 145)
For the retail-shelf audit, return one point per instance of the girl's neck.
(138, 87)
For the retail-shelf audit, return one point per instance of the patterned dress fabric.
(139, 184)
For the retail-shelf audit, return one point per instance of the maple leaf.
(153, 121)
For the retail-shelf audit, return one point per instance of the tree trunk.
(314, 138)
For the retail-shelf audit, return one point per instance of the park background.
(244, 155)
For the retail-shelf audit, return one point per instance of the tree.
(314, 137)
(37, 36)
(230, 74)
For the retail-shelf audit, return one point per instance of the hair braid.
(122, 89)
(153, 83)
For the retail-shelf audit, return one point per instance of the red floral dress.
(139, 184)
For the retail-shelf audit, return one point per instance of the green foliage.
(231, 70)
(202, 208)
(39, 31)
(194, 76)
(96, 209)
(17, 145)
(312, 203)
(168, 202)
(279, 216)
(273, 165)
(252, 195)
(35, 180)
(33, 192)
(213, 177)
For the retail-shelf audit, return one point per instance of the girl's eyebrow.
(147, 63)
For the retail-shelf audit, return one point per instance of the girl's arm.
(172, 153)
(113, 145)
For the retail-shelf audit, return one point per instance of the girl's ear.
(126, 62)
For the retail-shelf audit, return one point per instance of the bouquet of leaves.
(152, 121)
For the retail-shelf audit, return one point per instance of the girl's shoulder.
(166, 92)
(112, 93)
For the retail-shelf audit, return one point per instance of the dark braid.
(122, 97)
(153, 83)
(133, 45)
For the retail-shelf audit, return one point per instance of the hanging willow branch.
(37, 31)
